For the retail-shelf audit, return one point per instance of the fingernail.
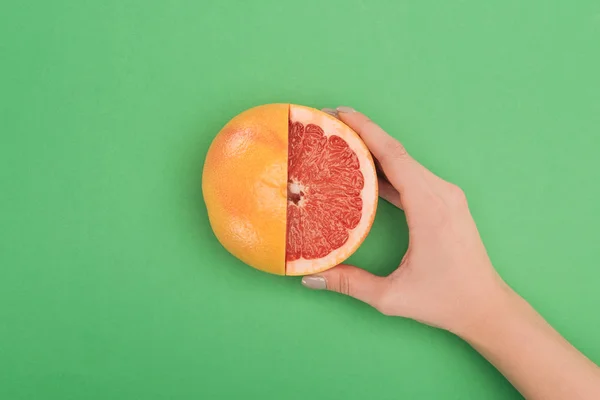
(344, 109)
(314, 282)
(330, 111)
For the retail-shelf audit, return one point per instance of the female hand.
(446, 276)
(447, 280)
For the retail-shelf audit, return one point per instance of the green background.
(112, 285)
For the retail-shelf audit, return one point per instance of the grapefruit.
(289, 189)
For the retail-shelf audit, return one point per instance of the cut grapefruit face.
(289, 189)
(332, 191)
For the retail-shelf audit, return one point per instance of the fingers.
(351, 281)
(400, 168)
(386, 190)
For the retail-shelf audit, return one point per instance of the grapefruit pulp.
(289, 189)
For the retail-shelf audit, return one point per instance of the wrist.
(493, 309)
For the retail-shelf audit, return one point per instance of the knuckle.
(396, 150)
(456, 196)
(343, 284)
(368, 123)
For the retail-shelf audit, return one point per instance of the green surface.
(112, 285)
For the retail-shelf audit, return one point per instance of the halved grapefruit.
(289, 189)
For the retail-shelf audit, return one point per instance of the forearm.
(535, 358)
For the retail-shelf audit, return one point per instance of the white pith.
(296, 188)
(332, 126)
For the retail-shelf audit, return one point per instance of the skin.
(447, 280)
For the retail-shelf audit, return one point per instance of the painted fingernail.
(330, 111)
(314, 282)
(344, 109)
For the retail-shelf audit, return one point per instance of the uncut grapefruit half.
(289, 189)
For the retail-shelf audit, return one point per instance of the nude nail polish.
(330, 111)
(344, 109)
(314, 282)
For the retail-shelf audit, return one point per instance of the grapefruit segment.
(331, 191)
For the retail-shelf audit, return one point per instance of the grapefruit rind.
(244, 185)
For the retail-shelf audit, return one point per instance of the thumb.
(351, 281)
